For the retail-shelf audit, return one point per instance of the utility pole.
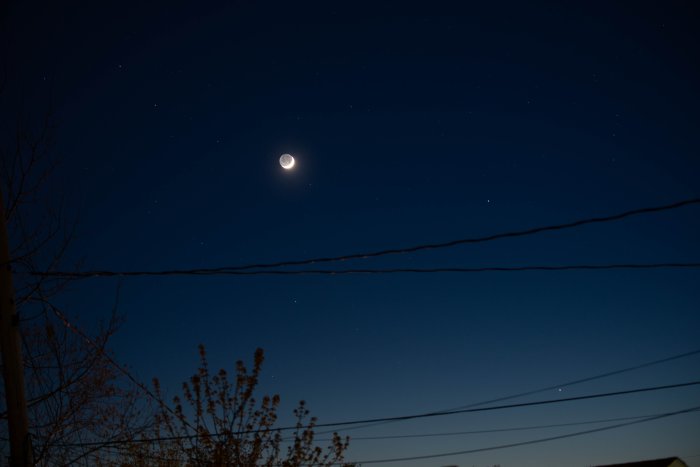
(13, 370)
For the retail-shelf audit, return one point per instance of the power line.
(335, 272)
(636, 420)
(524, 443)
(587, 379)
(490, 401)
(418, 416)
(513, 406)
(495, 430)
(385, 252)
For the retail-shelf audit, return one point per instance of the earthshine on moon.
(287, 161)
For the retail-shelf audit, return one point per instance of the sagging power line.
(231, 270)
(528, 442)
(117, 449)
(334, 272)
(497, 430)
(552, 387)
(417, 416)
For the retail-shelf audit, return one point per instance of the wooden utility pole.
(13, 371)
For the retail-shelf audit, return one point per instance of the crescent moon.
(287, 161)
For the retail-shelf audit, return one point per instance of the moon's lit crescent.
(287, 161)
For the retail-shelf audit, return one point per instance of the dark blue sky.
(411, 123)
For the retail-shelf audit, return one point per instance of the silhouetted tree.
(74, 392)
(218, 422)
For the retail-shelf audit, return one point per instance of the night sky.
(410, 124)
